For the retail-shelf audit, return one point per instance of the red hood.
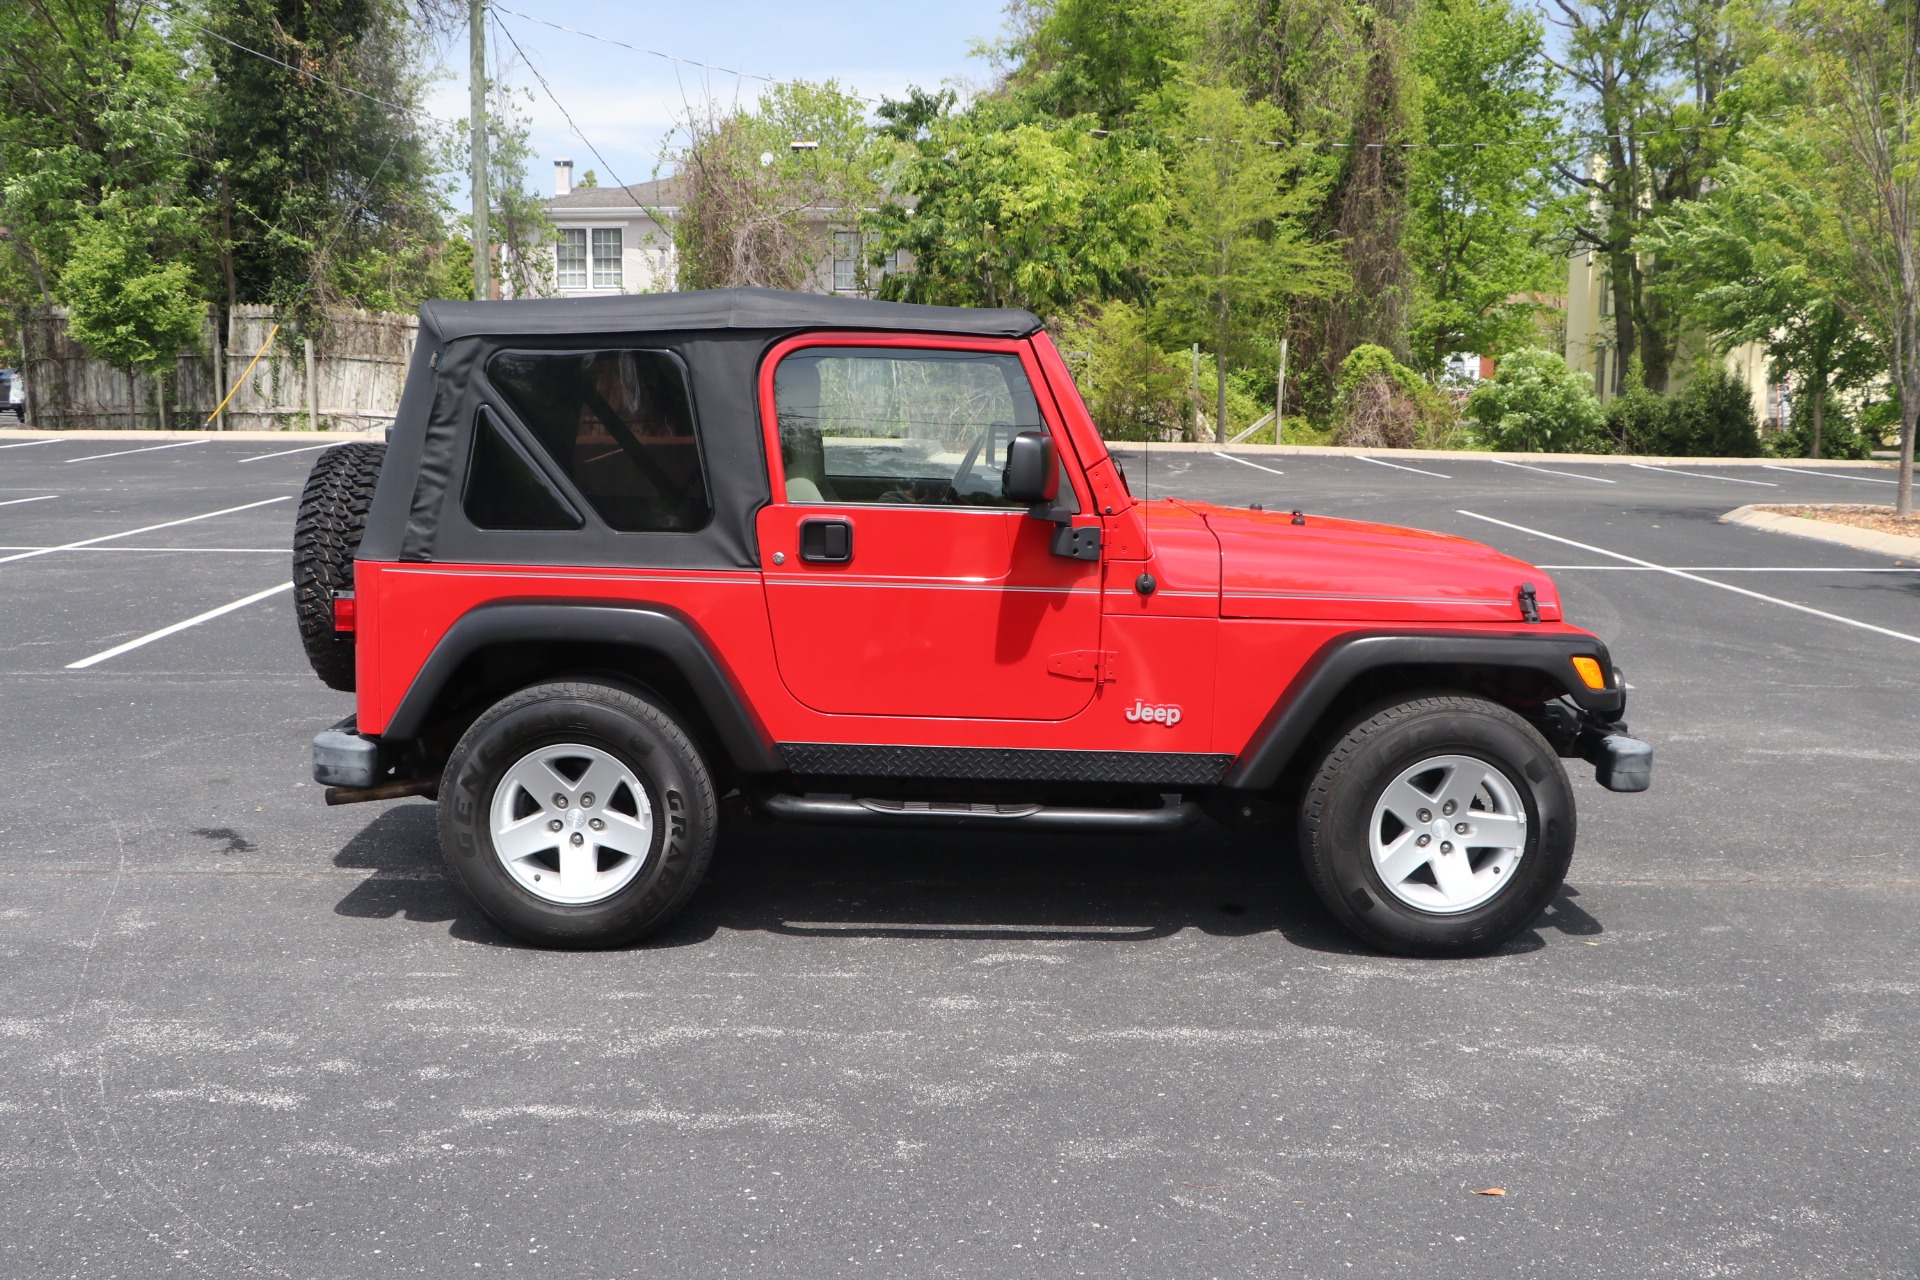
(1351, 569)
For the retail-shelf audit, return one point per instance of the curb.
(1892, 544)
(1443, 455)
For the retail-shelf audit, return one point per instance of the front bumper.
(1620, 762)
(344, 757)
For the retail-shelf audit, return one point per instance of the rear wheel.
(1440, 826)
(326, 536)
(577, 815)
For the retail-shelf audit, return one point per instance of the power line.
(652, 53)
(302, 71)
(502, 28)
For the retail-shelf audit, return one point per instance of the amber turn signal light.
(1590, 673)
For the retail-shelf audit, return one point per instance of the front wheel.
(1438, 826)
(577, 815)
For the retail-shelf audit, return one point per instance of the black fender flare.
(1342, 661)
(650, 628)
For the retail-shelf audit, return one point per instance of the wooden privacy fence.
(347, 379)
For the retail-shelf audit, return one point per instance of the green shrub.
(1712, 418)
(1880, 423)
(1840, 436)
(1379, 403)
(1536, 404)
(1637, 417)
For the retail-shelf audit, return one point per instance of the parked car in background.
(13, 393)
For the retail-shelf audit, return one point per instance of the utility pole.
(477, 128)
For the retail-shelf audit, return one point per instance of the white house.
(612, 240)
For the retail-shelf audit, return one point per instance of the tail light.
(343, 613)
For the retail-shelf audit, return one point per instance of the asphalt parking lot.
(242, 1034)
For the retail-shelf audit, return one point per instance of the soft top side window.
(619, 425)
(900, 425)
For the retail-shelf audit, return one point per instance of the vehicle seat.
(803, 457)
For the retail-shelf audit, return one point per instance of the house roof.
(767, 309)
(661, 193)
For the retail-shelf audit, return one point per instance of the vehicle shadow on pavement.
(831, 882)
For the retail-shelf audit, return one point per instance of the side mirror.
(1033, 471)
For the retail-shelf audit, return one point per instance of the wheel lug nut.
(597, 825)
(1426, 815)
(559, 801)
(578, 838)
(1446, 846)
(1424, 841)
(1459, 828)
(1447, 808)
(553, 824)
(586, 801)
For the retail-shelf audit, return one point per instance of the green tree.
(1483, 195)
(1133, 390)
(1738, 266)
(749, 197)
(1236, 250)
(125, 305)
(1101, 58)
(1002, 212)
(1654, 79)
(1535, 404)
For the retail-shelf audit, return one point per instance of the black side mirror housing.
(1032, 473)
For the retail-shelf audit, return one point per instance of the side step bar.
(1172, 815)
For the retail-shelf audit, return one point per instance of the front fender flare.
(1342, 661)
(651, 628)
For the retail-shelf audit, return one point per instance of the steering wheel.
(980, 441)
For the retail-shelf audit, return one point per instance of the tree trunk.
(1220, 379)
(1909, 411)
(1819, 414)
(160, 389)
(133, 402)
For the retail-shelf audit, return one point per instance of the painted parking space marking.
(1549, 471)
(14, 502)
(1272, 471)
(27, 444)
(1726, 568)
(1361, 457)
(305, 448)
(1691, 577)
(1829, 475)
(177, 627)
(1701, 475)
(196, 551)
(95, 457)
(114, 537)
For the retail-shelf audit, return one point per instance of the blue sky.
(626, 103)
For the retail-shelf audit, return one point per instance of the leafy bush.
(1134, 390)
(1637, 417)
(1712, 418)
(1840, 436)
(1379, 403)
(1880, 423)
(1536, 404)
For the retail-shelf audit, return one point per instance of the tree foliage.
(1536, 404)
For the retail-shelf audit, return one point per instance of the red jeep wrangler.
(866, 562)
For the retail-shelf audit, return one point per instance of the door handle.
(826, 541)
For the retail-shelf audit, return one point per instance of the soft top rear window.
(619, 425)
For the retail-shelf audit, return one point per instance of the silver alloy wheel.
(571, 824)
(1446, 834)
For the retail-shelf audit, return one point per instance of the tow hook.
(1529, 604)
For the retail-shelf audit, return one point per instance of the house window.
(846, 261)
(606, 258)
(570, 259)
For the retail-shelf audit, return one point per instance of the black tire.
(1340, 807)
(640, 736)
(326, 535)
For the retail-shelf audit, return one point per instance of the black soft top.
(764, 309)
(719, 336)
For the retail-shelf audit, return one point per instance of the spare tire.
(326, 535)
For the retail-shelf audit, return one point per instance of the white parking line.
(1723, 568)
(14, 502)
(1682, 573)
(1830, 475)
(1548, 471)
(164, 632)
(113, 537)
(204, 551)
(95, 457)
(1361, 457)
(1272, 471)
(27, 444)
(1701, 475)
(308, 448)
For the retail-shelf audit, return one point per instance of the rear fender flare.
(1320, 683)
(652, 628)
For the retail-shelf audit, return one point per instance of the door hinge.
(1085, 664)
